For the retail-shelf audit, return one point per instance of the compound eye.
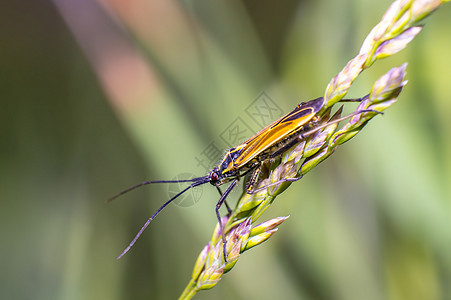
(214, 176)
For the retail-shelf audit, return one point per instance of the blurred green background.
(100, 95)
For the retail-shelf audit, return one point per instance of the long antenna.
(201, 180)
(153, 181)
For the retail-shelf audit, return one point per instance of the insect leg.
(305, 134)
(218, 205)
(225, 202)
(355, 99)
(253, 179)
(275, 183)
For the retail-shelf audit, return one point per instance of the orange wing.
(277, 131)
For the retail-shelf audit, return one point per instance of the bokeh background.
(99, 95)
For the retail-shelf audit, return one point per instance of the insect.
(248, 157)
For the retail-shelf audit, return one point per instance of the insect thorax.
(227, 170)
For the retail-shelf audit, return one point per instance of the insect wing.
(278, 130)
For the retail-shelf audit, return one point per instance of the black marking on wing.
(303, 109)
